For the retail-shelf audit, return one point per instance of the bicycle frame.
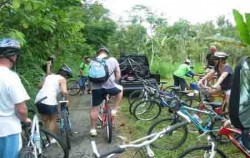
(229, 132)
(105, 110)
(141, 142)
(34, 129)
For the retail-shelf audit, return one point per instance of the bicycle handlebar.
(147, 140)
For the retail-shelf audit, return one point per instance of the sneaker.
(93, 132)
(53, 140)
(113, 113)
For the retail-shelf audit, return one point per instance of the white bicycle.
(38, 142)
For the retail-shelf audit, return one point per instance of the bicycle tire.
(149, 108)
(190, 152)
(73, 87)
(178, 136)
(140, 153)
(134, 95)
(64, 130)
(142, 71)
(26, 152)
(108, 125)
(52, 150)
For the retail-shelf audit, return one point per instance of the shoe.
(113, 113)
(93, 132)
(52, 141)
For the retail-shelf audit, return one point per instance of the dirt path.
(80, 141)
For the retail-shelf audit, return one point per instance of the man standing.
(12, 100)
(209, 58)
(99, 90)
(84, 72)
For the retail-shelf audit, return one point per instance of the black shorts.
(47, 109)
(99, 94)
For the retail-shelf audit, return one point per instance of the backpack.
(98, 70)
(239, 104)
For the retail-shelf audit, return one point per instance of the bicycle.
(234, 135)
(74, 86)
(177, 138)
(106, 118)
(37, 141)
(134, 67)
(207, 151)
(65, 129)
(143, 144)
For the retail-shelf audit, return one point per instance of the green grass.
(134, 129)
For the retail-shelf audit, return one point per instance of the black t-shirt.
(209, 59)
(226, 84)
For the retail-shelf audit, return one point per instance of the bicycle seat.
(174, 87)
(214, 104)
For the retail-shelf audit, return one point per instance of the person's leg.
(53, 123)
(97, 98)
(45, 120)
(118, 93)
(176, 81)
(9, 146)
(182, 84)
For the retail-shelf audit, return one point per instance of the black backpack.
(239, 105)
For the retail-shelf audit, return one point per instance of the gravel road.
(80, 141)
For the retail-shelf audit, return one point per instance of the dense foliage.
(70, 29)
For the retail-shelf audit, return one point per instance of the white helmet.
(220, 55)
(187, 61)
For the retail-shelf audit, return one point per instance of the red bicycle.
(211, 151)
(106, 118)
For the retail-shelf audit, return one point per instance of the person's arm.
(117, 73)
(206, 77)
(22, 113)
(81, 69)
(63, 87)
(48, 68)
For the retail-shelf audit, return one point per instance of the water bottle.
(37, 141)
(197, 118)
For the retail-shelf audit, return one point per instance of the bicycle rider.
(84, 72)
(108, 87)
(53, 86)
(180, 74)
(12, 103)
(209, 59)
(224, 73)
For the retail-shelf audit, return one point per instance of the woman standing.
(53, 86)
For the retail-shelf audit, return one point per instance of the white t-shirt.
(112, 63)
(51, 89)
(11, 92)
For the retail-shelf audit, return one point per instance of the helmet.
(102, 49)
(66, 69)
(187, 61)
(9, 47)
(212, 49)
(220, 55)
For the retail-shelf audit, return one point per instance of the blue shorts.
(9, 146)
(99, 94)
(47, 109)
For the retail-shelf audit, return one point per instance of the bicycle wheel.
(26, 152)
(108, 127)
(202, 151)
(134, 95)
(73, 87)
(172, 140)
(142, 72)
(52, 145)
(140, 153)
(147, 110)
(65, 129)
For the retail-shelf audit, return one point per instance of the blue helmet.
(9, 47)
(64, 68)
